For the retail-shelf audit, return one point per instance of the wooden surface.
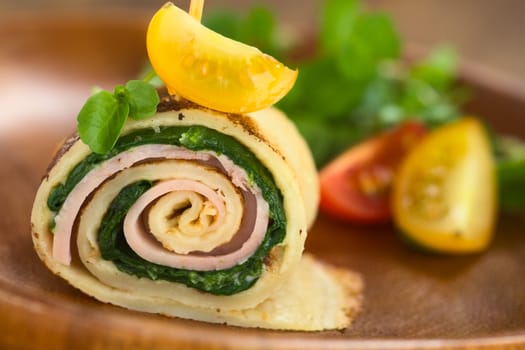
(412, 301)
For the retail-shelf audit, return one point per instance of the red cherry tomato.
(356, 185)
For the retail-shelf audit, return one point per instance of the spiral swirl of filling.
(201, 213)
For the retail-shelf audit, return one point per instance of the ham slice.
(251, 232)
(149, 249)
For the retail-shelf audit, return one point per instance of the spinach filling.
(112, 243)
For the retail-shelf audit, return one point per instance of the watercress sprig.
(104, 114)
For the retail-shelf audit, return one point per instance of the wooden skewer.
(196, 9)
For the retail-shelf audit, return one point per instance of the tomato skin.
(355, 187)
(445, 194)
(209, 69)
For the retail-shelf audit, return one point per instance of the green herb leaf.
(338, 20)
(121, 94)
(510, 156)
(225, 22)
(101, 119)
(257, 28)
(511, 183)
(314, 93)
(438, 69)
(143, 99)
(379, 33)
(372, 40)
(260, 29)
(150, 76)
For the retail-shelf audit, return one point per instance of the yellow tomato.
(212, 70)
(444, 196)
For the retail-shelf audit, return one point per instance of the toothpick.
(196, 9)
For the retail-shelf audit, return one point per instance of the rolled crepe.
(196, 214)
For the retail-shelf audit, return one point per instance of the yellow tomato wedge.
(210, 69)
(444, 196)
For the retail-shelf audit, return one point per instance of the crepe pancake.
(196, 214)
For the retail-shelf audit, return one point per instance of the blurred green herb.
(510, 157)
(258, 28)
(354, 84)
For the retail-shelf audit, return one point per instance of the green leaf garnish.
(258, 28)
(101, 119)
(510, 157)
(337, 23)
(143, 99)
(438, 69)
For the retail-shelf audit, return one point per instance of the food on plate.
(356, 186)
(444, 196)
(187, 211)
(439, 187)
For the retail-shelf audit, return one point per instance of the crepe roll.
(196, 214)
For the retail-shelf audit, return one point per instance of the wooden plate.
(413, 301)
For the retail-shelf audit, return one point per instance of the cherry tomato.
(210, 69)
(444, 196)
(356, 186)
